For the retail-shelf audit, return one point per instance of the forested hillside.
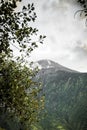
(65, 99)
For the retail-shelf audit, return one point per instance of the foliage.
(19, 92)
(83, 11)
(20, 98)
(2, 129)
(83, 3)
(15, 29)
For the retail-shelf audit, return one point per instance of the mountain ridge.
(49, 64)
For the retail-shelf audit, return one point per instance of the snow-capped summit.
(48, 64)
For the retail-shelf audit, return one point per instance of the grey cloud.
(79, 50)
(56, 20)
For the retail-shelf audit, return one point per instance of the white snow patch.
(36, 64)
(49, 62)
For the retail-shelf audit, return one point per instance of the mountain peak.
(49, 64)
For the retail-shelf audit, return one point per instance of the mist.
(65, 33)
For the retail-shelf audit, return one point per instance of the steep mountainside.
(65, 93)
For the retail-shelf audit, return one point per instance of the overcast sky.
(66, 41)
